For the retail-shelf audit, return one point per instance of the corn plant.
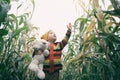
(93, 51)
(15, 44)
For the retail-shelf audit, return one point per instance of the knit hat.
(45, 36)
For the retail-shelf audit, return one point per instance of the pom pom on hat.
(45, 36)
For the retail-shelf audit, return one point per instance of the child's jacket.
(53, 61)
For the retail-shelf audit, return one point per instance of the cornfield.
(92, 53)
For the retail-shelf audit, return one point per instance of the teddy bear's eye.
(36, 49)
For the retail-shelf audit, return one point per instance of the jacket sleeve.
(65, 39)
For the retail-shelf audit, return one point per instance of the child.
(52, 63)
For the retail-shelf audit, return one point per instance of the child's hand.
(69, 26)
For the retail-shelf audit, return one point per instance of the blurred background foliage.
(93, 52)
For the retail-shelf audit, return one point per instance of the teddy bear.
(36, 64)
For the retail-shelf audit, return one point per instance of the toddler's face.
(52, 36)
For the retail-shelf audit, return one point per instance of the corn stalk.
(14, 37)
(93, 52)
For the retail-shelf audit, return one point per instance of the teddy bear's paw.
(33, 67)
(46, 52)
(41, 74)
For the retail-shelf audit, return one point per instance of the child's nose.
(55, 35)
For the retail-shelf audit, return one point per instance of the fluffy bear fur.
(36, 64)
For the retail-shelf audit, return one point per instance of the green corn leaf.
(21, 20)
(18, 31)
(3, 32)
(14, 18)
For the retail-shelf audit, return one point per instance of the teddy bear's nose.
(44, 43)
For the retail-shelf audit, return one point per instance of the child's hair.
(45, 35)
(35, 52)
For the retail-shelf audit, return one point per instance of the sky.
(55, 15)
(51, 14)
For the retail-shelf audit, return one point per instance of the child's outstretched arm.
(69, 26)
(67, 36)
